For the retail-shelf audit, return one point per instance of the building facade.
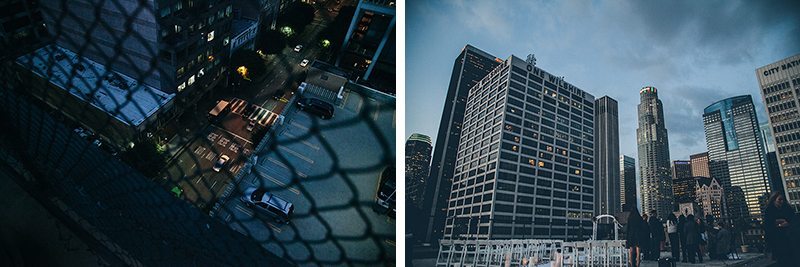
(627, 174)
(607, 192)
(21, 27)
(699, 163)
(682, 181)
(651, 137)
(709, 195)
(418, 161)
(780, 90)
(470, 66)
(736, 156)
(525, 161)
(369, 45)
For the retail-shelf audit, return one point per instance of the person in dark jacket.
(780, 227)
(723, 242)
(682, 237)
(646, 239)
(656, 235)
(636, 237)
(692, 234)
(674, 242)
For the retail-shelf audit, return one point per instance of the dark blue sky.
(694, 53)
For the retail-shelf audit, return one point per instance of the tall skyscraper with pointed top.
(654, 165)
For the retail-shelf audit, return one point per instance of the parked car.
(269, 204)
(317, 107)
(385, 197)
(221, 163)
(304, 63)
(298, 48)
(251, 125)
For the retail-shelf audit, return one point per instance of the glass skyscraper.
(525, 160)
(418, 161)
(627, 174)
(606, 156)
(651, 137)
(470, 66)
(780, 91)
(736, 155)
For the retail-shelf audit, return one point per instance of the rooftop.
(120, 96)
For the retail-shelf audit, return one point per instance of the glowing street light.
(286, 30)
(242, 70)
(326, 43)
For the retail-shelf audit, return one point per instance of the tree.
(146, 157)
(250, 60)
(270, 42)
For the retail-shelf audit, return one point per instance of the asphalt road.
(329, 170)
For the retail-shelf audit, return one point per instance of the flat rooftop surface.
(114, 93)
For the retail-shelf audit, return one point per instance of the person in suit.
(656, 235)
(637, 235)
(692, 234)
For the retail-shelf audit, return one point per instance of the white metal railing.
(531, 252)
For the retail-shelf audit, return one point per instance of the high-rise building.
(470, 66)
(627, 174)
(606, 156)
(369, 45)
(699, 163)
(682, 182)
(135, 66)
(525, 160)
(651, 137)
(780, 82)
(418, 161)
(736, 155)
(773, 169)
(708, 194)
(21, 27)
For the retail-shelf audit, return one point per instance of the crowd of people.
(692, 238)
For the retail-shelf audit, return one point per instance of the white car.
(304, 63)
(220, 163)
(298, 48)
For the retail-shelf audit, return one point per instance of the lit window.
(181, 86)
(541, 163)
(532, 162)
(191, 80)
(201, 73)
(577, 171)
(210, 36)
(177, 28)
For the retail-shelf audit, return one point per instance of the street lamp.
(326, 43)
(286, 30)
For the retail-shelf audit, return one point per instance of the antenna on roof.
(531, 59)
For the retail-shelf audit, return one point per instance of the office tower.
(369, 45)
(627, 174)
(709, 194)
(525, 160)
(21, 27)
(779, 82)
(775, 180)
(651, 137)
(682, 182)
(699, 163)
(470, 66)
(135, 73)
(418, 160)
(736, 155)
(606, 156)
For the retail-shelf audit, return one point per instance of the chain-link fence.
(131, 126)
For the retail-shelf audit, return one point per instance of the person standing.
(682, 236)
(636, 234)
(692, 235)
(723, 242)
(780, 229)
(674, 239)
(645, 244)
(656, 234)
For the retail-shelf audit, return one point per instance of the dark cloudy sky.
(694, 52)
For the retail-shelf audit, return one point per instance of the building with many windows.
(606, 155)
(699, 163)
(708, 194)
(470, 66)
(780, 90)
(418, 162)
(682, 181)
(627, 174)
(525, 160)
(736, 156)
(369, 45)
(651, 137)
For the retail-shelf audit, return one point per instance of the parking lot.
(329, 170)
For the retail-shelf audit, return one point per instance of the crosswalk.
(260, 115)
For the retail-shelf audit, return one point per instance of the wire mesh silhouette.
(97, 109)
